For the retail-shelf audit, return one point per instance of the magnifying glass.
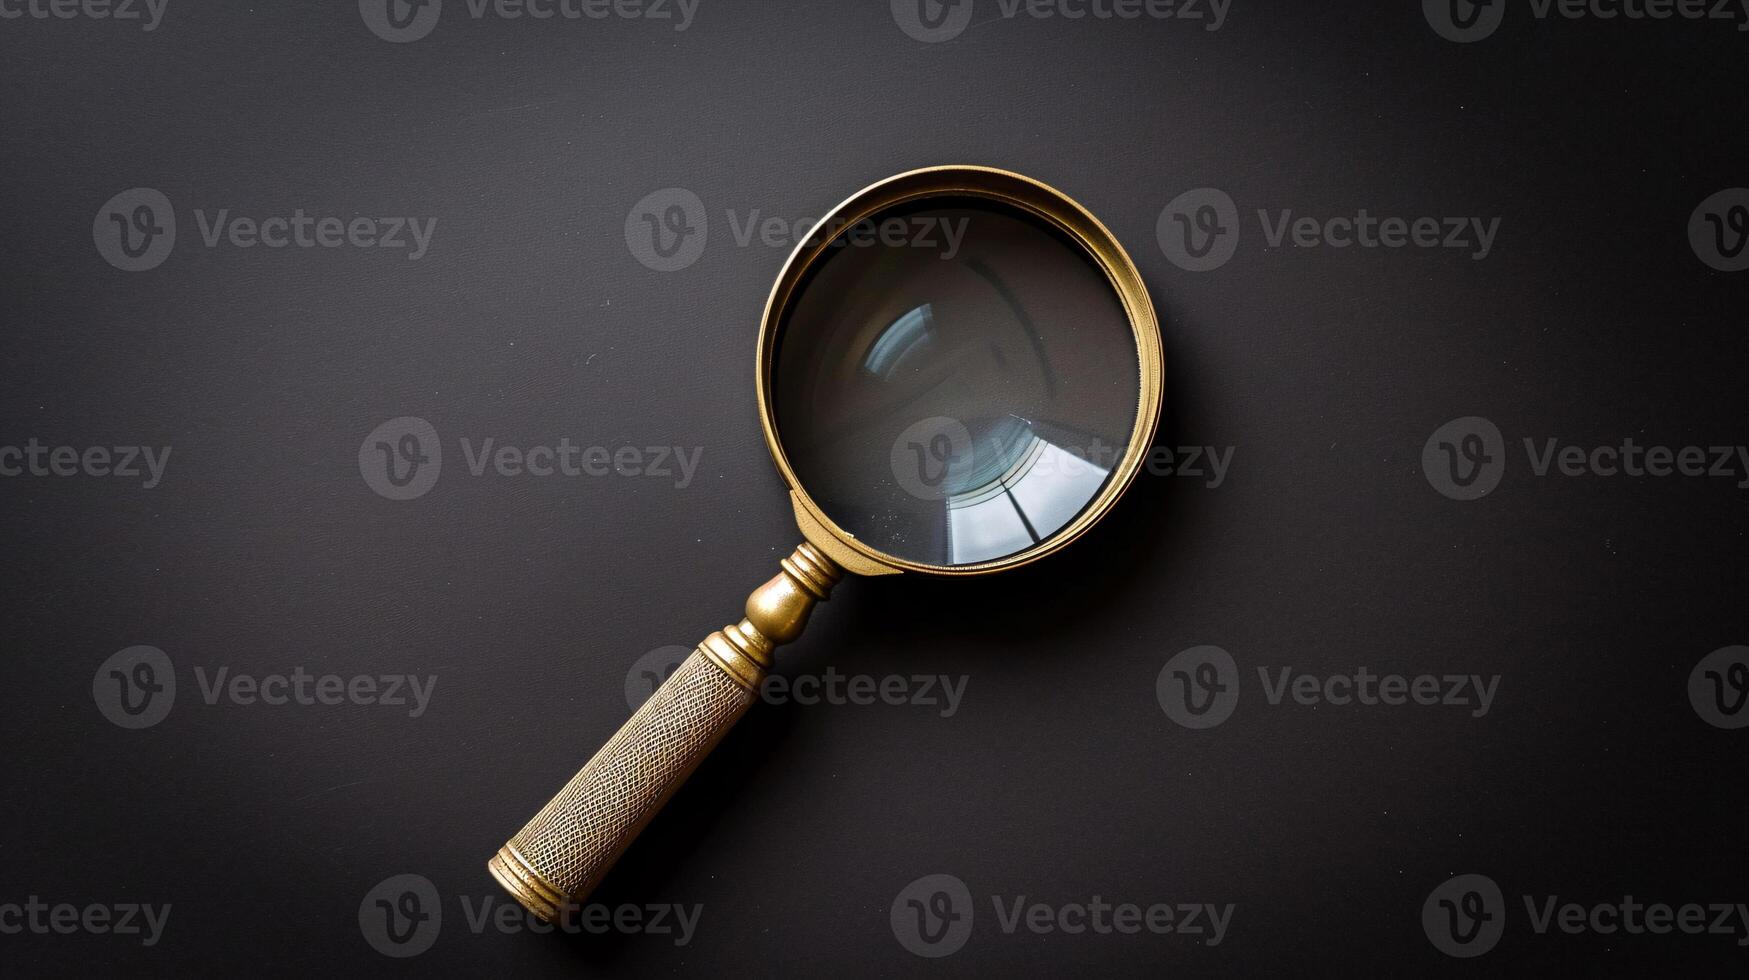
(959, 373)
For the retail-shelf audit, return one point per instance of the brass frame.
(1038, 199)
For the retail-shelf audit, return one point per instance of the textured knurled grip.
(575, 839)
(565, 851)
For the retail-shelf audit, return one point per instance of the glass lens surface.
(954, 381)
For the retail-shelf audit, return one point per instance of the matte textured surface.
(529, 320)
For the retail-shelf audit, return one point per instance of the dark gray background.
(1060, 778)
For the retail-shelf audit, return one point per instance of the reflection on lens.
(954, 382)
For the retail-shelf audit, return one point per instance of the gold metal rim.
(525, 884)
(1038, 199)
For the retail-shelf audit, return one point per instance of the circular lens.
(954, 381)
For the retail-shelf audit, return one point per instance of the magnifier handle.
(569, 846)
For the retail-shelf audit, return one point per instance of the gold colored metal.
(565, 851)
(1028, 195)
